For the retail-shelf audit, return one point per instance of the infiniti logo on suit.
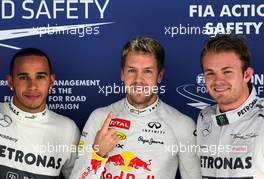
(155, 125)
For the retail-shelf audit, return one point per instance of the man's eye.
(208, 74)
(148, 71)
(41, 77)
(22, 77)
(131, 71)
(227, 72)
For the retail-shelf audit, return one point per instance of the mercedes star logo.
(5, 120)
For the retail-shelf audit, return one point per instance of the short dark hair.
(228, 43)
(144, 45)
(28, 52)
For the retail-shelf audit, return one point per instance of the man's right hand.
(106, 138)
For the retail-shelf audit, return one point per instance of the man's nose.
(139, 77)
(32, 84)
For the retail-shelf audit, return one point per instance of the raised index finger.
(107, 122)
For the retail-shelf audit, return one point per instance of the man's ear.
(248, 74)
(9, 79)
(122, 75)
(52, 79)
(160, 75)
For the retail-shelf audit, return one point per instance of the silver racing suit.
(36, 145)
(149, 147)
(232, 143)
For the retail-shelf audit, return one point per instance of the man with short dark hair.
(35, 142)
(141, 136)
(230, 133)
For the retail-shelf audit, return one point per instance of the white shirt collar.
(236, 114)
(142, 112)
(26, 115)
